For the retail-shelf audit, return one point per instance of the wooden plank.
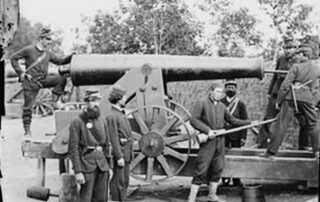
(39, 149)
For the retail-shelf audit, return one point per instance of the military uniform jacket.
(83, 159)
(39, 72)
(120, 129)
(238, 110)
(207, 116)
(277, 79)
(301, 73)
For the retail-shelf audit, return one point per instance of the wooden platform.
(240, 163)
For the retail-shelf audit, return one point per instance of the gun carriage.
(162, 135)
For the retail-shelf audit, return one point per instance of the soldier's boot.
(212, 196)
(27, 132)
(193, 193)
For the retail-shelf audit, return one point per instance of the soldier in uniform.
(238, 109)
(89, 150)
(209, 117)
(35, 76)
(121, 139)
(296, 99)
(283, 63)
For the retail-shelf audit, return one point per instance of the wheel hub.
(152, 144)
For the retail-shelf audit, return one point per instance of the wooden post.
(41, 172)
(68, 192)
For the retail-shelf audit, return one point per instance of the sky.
(66, 14)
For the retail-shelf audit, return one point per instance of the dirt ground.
(20, 173)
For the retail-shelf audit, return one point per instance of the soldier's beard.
(93, 113)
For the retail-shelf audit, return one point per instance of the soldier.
(296, 99)
(121, 139)
(209, 116)
(89, 150)
(238, 109)
(283, 63)
(35, 76)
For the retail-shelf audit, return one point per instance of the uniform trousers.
(265, 132)
(95, 188)
(231, 143)
(210, 162)
(307, 118)
(119, 182)
(31, 92)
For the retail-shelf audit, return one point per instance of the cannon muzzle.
(97, 69)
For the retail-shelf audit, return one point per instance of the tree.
(27, 34)
(147, 27)
(234, 28)
(287, 17)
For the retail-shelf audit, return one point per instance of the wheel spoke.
(44, 111)
(171, 152)
(47, 105)
(37, 110)
(136, 161)
(168, 125)
(162, 160)
(135, 135)
(143, 127)
(176, 138)
(150, 169)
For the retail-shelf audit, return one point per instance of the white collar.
(40, 47)
(230, 99)
(117, 107)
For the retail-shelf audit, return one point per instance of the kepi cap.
(118, 91)
(92, 93)
(45, 33)
(230, 82)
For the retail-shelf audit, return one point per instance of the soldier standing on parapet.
(295, 98)
(35, 76)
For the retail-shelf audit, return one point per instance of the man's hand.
(80, 178)
(277, 107)
(213, 133)
(120, 162)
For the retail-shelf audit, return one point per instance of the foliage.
(287, 16)
(234, 28)
(146, 27)
(27, 34)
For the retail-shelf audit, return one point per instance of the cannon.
(162, 134)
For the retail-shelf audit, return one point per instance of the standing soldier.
(35, 76)
(209, 116)
(296, 99)
(283, 63)
(89, 148)
(238, 109)
(121, 139)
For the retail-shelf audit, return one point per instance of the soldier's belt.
(94, 148)
(125, 140)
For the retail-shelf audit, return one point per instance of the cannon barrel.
(98, 69)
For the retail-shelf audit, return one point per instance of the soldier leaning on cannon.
(35, 76)
(121, 139)
(296, 99)
(89, 150)
(238, 109)
(209, 117)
